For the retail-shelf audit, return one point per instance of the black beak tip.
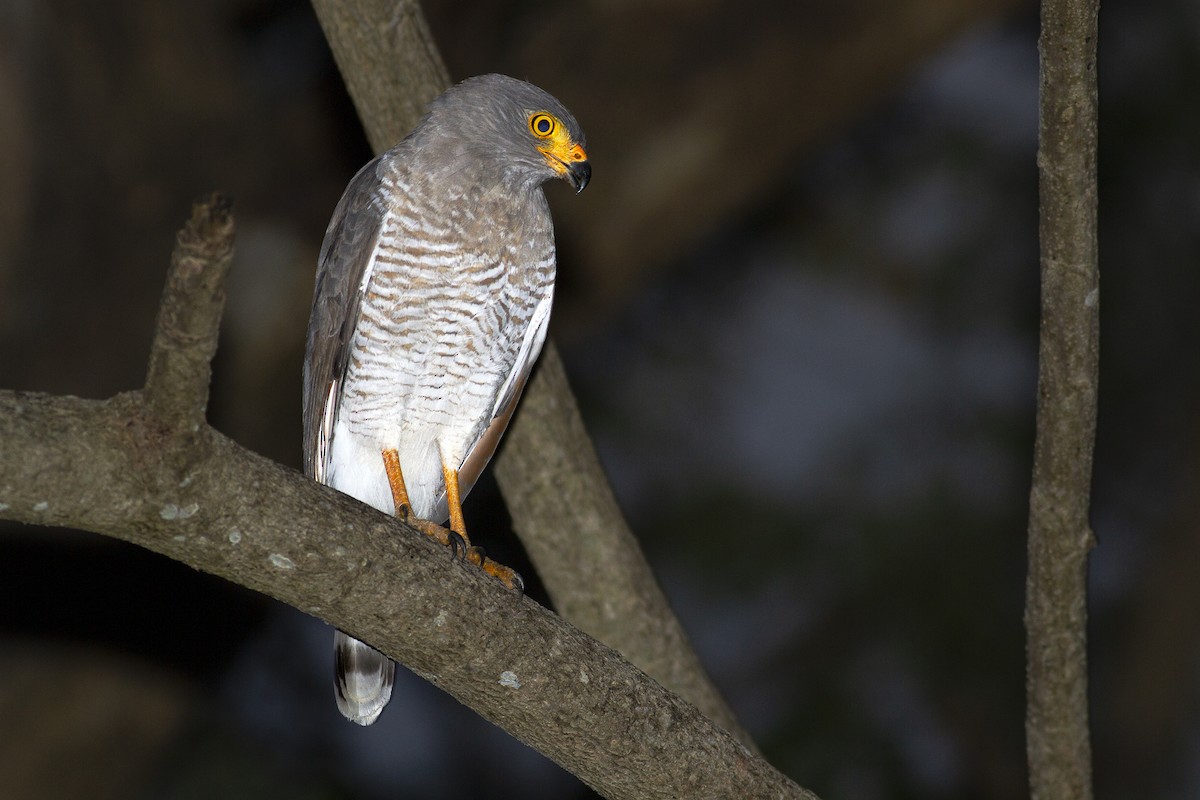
(579, 173)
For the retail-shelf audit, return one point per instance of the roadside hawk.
(433, 293)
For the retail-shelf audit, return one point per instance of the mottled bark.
(1060, 537)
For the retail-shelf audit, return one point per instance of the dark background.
(800, 295)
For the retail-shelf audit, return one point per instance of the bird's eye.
(543, 125)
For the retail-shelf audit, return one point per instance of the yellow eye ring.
(543, 125)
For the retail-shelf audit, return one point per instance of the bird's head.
(515, 127)
(562, 150)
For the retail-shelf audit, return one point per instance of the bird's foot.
(458, 545)
(506, 575)
(461, 548)
(438, 533)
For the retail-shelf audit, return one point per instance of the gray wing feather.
(345, 254)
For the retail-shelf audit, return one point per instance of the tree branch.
(559, 497)
(122, 467)
(389, 61)
(190, 313)
(577, 537)
(1058, 746)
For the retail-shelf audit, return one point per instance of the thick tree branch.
(1058, 746)
(107, 466)
(569, 520)
(388, 60)
(122, 467)
(560, 500)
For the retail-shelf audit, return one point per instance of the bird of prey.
(433, 294)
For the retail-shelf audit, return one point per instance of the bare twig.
(123, 467)
(186, 333)
(559, 497)
(1058, 746)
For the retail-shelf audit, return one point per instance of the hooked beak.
(570, 161)
(578, 174)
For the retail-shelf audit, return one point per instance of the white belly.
(356, 468)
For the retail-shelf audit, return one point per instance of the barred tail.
(362, 679)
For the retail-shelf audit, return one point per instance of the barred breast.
(456, 278)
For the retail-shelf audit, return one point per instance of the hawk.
(433, 293)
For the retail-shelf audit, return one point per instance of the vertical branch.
(185, 336)
(388, 59)
(1058, 746)
(568, 519)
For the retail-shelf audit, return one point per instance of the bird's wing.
(343, 268)
(506, 401)
(531, 346)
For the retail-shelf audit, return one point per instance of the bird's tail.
(362, 679)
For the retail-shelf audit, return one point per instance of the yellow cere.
(558, 147)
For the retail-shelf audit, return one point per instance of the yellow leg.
(395, 476)
(454, 503)
(475, 555)
(391, 465)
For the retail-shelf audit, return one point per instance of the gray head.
(505, 124)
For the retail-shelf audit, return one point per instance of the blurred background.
(799, 299)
